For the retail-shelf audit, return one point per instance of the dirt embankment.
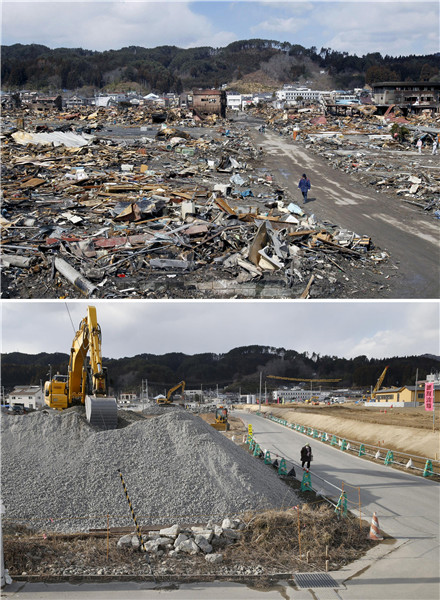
(408, 430)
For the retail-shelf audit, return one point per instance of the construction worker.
(306, 456)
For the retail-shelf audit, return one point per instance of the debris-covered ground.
(378, 149)
(108, 204)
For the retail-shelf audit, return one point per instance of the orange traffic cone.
(374, 529)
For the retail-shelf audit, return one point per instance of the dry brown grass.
(273, 538)
(270, 540)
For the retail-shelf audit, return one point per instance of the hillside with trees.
(172, 69)
(234, 370)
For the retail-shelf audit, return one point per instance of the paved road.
(407, 507)
(411, 237)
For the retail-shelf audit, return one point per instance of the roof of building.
(433, 84)
(208, 93)
(27, 390)
(395, 390)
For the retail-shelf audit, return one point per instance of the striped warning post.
(374, 529)
(138, 530)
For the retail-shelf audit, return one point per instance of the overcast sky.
(345, 329)
(394, 28)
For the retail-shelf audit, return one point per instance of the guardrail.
(390, 457)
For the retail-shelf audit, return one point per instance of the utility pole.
(415, 392)
(259, 397)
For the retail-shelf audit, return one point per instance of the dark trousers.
(306, 462)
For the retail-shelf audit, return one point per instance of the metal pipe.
(75, 277)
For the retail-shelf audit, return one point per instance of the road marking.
(413, 230)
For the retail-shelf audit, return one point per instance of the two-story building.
(27, 396)
(406, 92)
(209, 102)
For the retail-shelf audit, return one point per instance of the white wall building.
(299, 94)
(296, 395)
(233, 101)
(29, 396)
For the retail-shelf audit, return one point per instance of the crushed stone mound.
(176, 467)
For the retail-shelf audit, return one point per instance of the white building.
(299, 94)
(296, 395)
(29, 396)
(126, 398)
(233, 101)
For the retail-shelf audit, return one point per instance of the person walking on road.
(419, 145)
(304, 185)
(434, 146)
(306, 456)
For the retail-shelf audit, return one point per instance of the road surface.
(410, 236)
(407, 508)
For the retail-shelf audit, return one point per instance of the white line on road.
(414, 230)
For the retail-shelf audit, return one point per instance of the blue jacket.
(304, 184)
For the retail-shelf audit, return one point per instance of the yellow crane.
(86, 379)
(302, 379)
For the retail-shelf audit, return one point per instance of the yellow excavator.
(170, 392)
(221, 419)
(86, 380)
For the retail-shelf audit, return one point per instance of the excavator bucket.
(220, 426)
(102, 412)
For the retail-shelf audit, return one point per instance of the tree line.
(238, 369)
(172, 69)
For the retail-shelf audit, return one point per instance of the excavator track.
(102, 412)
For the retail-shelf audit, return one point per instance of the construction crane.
(86, 380)
(379, 382)
(302, 379)
(170, 392)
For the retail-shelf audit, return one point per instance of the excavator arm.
(170, 392)
(86, 382)
(379, 382)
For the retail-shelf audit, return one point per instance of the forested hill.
(171, 69)
(237, 368)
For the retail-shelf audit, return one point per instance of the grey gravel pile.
(61, 473)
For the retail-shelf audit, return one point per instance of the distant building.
(233, 101)
(210, 102)
(406, 92)
(405, 394)
(127, 398)
(299, 94)
(30, 396)
(296, 395)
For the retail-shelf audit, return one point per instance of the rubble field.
(109, 204)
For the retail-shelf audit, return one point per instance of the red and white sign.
(429, 396)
